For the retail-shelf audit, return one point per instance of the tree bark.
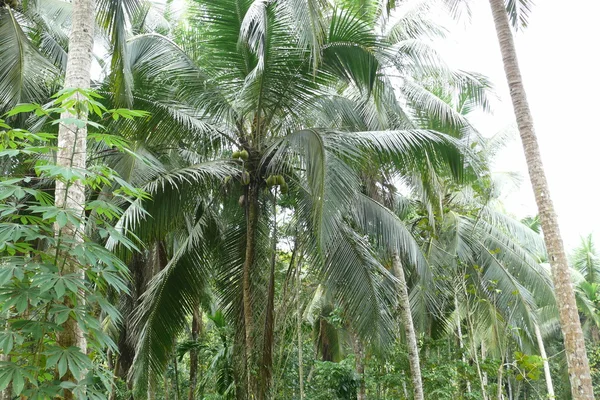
(72, 151)
(252, 213)
(151, 394)
(411, 337)
(359, 352)
(299, 328)
(499, 395)
(473, 347)
(176, 384)
(540, 342)
(461, 344)
(196, 329)
(483, 356)
(266, 365)
(166, 384)
(579, 370)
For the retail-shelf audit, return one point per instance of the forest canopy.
(273, 199)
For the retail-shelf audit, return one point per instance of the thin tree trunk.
(483, 355)
(113, 385)
(166, 384)
(72, 152)
(360, 367)
(152, 389)
(266, 365)
(176, 370)
(509, 385)
(196, 329)
(461, 344)
(299, 328)
(474, 348)
(500, 372)
(595, 334)
(411, 337)
(252, 211)
(540, 342)
(579, 370)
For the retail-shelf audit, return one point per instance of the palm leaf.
(24, 71)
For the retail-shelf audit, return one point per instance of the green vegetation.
(265, 200)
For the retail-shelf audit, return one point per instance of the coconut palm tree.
(35, 41)
(585, 260)
(472, 245)
(246, 82)
(33, 46)
(72, 152)
(579, 371)
(516, 13)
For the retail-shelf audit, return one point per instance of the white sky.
(560, 65)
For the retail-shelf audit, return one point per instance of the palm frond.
(113, 17)
(24, 71)
(171, 297)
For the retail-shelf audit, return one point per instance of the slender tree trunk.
(579, 370)
(299, 328)
(474, 348)
(499, 395)
(509, 385)
(114, 367)
(176, 370)
(411, 337)
(483, 356)
(252, 214)
(196, 329)
(166, 384)
(72, 151)
(540, 342)
(152, 389)
(461, 344)
(595, 334)
(266, 370)
(360, 367)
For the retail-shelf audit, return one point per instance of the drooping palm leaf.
(24, 71)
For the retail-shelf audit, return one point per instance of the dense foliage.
(275, 191)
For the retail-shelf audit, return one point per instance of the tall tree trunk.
(252, 214)
(196, 329)
(471, 329)
(359, 352)
(595, 333)
(483, 356)
(540, 342)
(151, 393)
(461, 344)
(113, 366)
(299, 328)
(72, 150)
(266, 370)
(411, 337)
(579, 370)
(499, 395)
(176, 383)
(166, 385)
